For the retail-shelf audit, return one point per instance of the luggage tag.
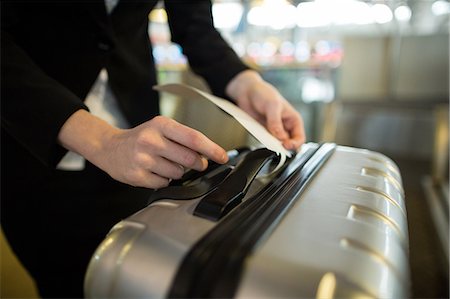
(249, 123)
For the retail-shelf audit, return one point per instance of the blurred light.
(158, 15)
(351, 12)
(302, 51)
(440, 7)
(268, 49)
(175, 53)
(159, 54)
(315, 90)
(283, 15)
(169, 53)
(239, 48)
(363, 14)
(382, 13)
(403, 13)
(227, 15)
(322, 47)
(277, 14)
(256, 16)
(312, 14)
(254, 49)
(325, 12)
(287, 48)
(327, 286)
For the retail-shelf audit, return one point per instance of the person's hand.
(149, 155)
(264, 103)
(159, 150)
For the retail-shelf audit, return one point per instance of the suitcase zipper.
(213, 266)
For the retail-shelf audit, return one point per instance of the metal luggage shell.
(345, 236)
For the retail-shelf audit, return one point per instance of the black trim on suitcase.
(195, 184)
(234, 187)
(213, 266)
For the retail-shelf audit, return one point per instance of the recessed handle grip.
(230, 192)
(194, 183)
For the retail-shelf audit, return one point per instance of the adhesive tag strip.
(249, 123)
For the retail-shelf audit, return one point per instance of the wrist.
(240, 85)
(89, 136)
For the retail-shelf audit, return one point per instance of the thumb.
(274, 122)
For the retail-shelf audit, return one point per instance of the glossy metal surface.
(346, 236)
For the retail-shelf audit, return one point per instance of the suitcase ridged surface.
(346, 235)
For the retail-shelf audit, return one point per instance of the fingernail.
(224, 158)
(287, 145)
(296, 145)
(290, 145)
(204, 162)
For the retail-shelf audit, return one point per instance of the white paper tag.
(249, 123)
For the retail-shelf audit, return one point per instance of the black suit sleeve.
(33, 105)
(209, 55)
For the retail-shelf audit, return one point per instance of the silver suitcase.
(330, 223)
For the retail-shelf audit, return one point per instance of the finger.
(194, 140)
(295, 128)
(150, 180)
(184, 156)
(162, 167)
(274, 122)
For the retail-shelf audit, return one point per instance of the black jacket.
(52, 51)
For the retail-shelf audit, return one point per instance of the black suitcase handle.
(230, 192)
(194, 183)
(192, 175)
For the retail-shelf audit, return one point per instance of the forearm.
(88, 136)
(148, 155)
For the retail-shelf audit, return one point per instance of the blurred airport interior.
(365, 73)
(372, 74)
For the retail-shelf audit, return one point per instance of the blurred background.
(371, 74)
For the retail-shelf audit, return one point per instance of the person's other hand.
(264, 103)
(149, 155)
